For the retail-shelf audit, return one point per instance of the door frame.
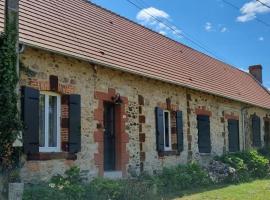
(113, 107)
(122, 138)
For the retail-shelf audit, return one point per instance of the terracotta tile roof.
(89, 32)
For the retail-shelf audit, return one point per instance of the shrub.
(241, 171)
(141, 188)
(234, 167)
(101, 188)
(265, 152)
(60, 187)
(248, 164)
(42, 192)
(132, 189)
(70, 187)
(183, 177)
(220, 172)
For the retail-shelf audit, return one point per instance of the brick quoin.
(122, 138)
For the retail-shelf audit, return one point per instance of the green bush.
(132, 189)
(248, 164)
(101, 188)
(68, 187)
(183, 177)
(256, 164)
(265, 152)
(41, 192)
(139, 189)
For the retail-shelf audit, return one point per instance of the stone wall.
(143, 95)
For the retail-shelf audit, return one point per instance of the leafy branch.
(10, 124)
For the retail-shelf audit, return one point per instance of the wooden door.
(109, 137)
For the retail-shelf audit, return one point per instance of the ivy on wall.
(10, 123)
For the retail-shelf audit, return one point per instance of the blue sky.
(233, 35)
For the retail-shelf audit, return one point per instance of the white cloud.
(176, 31)
(223, 30)
(251, 9)
(145, 15)
(244, 70)
(150, 18)
(163, 32)
(261, 38)
(208, 26)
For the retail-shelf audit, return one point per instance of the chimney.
(256, 72)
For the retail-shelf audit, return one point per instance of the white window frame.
(47, 148)
(170, 133)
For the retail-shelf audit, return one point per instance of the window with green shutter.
(41, 114)
(267, 133)
(233, 137)
(164, 127)
(256, 131)
(204, 141)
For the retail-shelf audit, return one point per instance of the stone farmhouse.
(116, 99)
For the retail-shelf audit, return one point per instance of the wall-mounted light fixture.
(117, 99)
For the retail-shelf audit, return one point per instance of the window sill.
(168, 153)
(52, 156)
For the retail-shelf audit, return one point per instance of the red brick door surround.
(122, 155)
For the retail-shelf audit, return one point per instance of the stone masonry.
(141, 96)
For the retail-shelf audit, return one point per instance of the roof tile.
(89, 32)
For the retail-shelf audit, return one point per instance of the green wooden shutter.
(204, 142)
(266, 133)
(74, 123)
(233, 128)
(256, 131)
(160, 129)
(30, 117)
(179, 130)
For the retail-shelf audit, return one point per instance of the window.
(267, 133)
(256, 131)
(204, 141)
(167, 131)
(233, 129)
(49, 122)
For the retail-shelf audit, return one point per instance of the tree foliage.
(10, 124)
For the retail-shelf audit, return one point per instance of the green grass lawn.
(256, 190)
